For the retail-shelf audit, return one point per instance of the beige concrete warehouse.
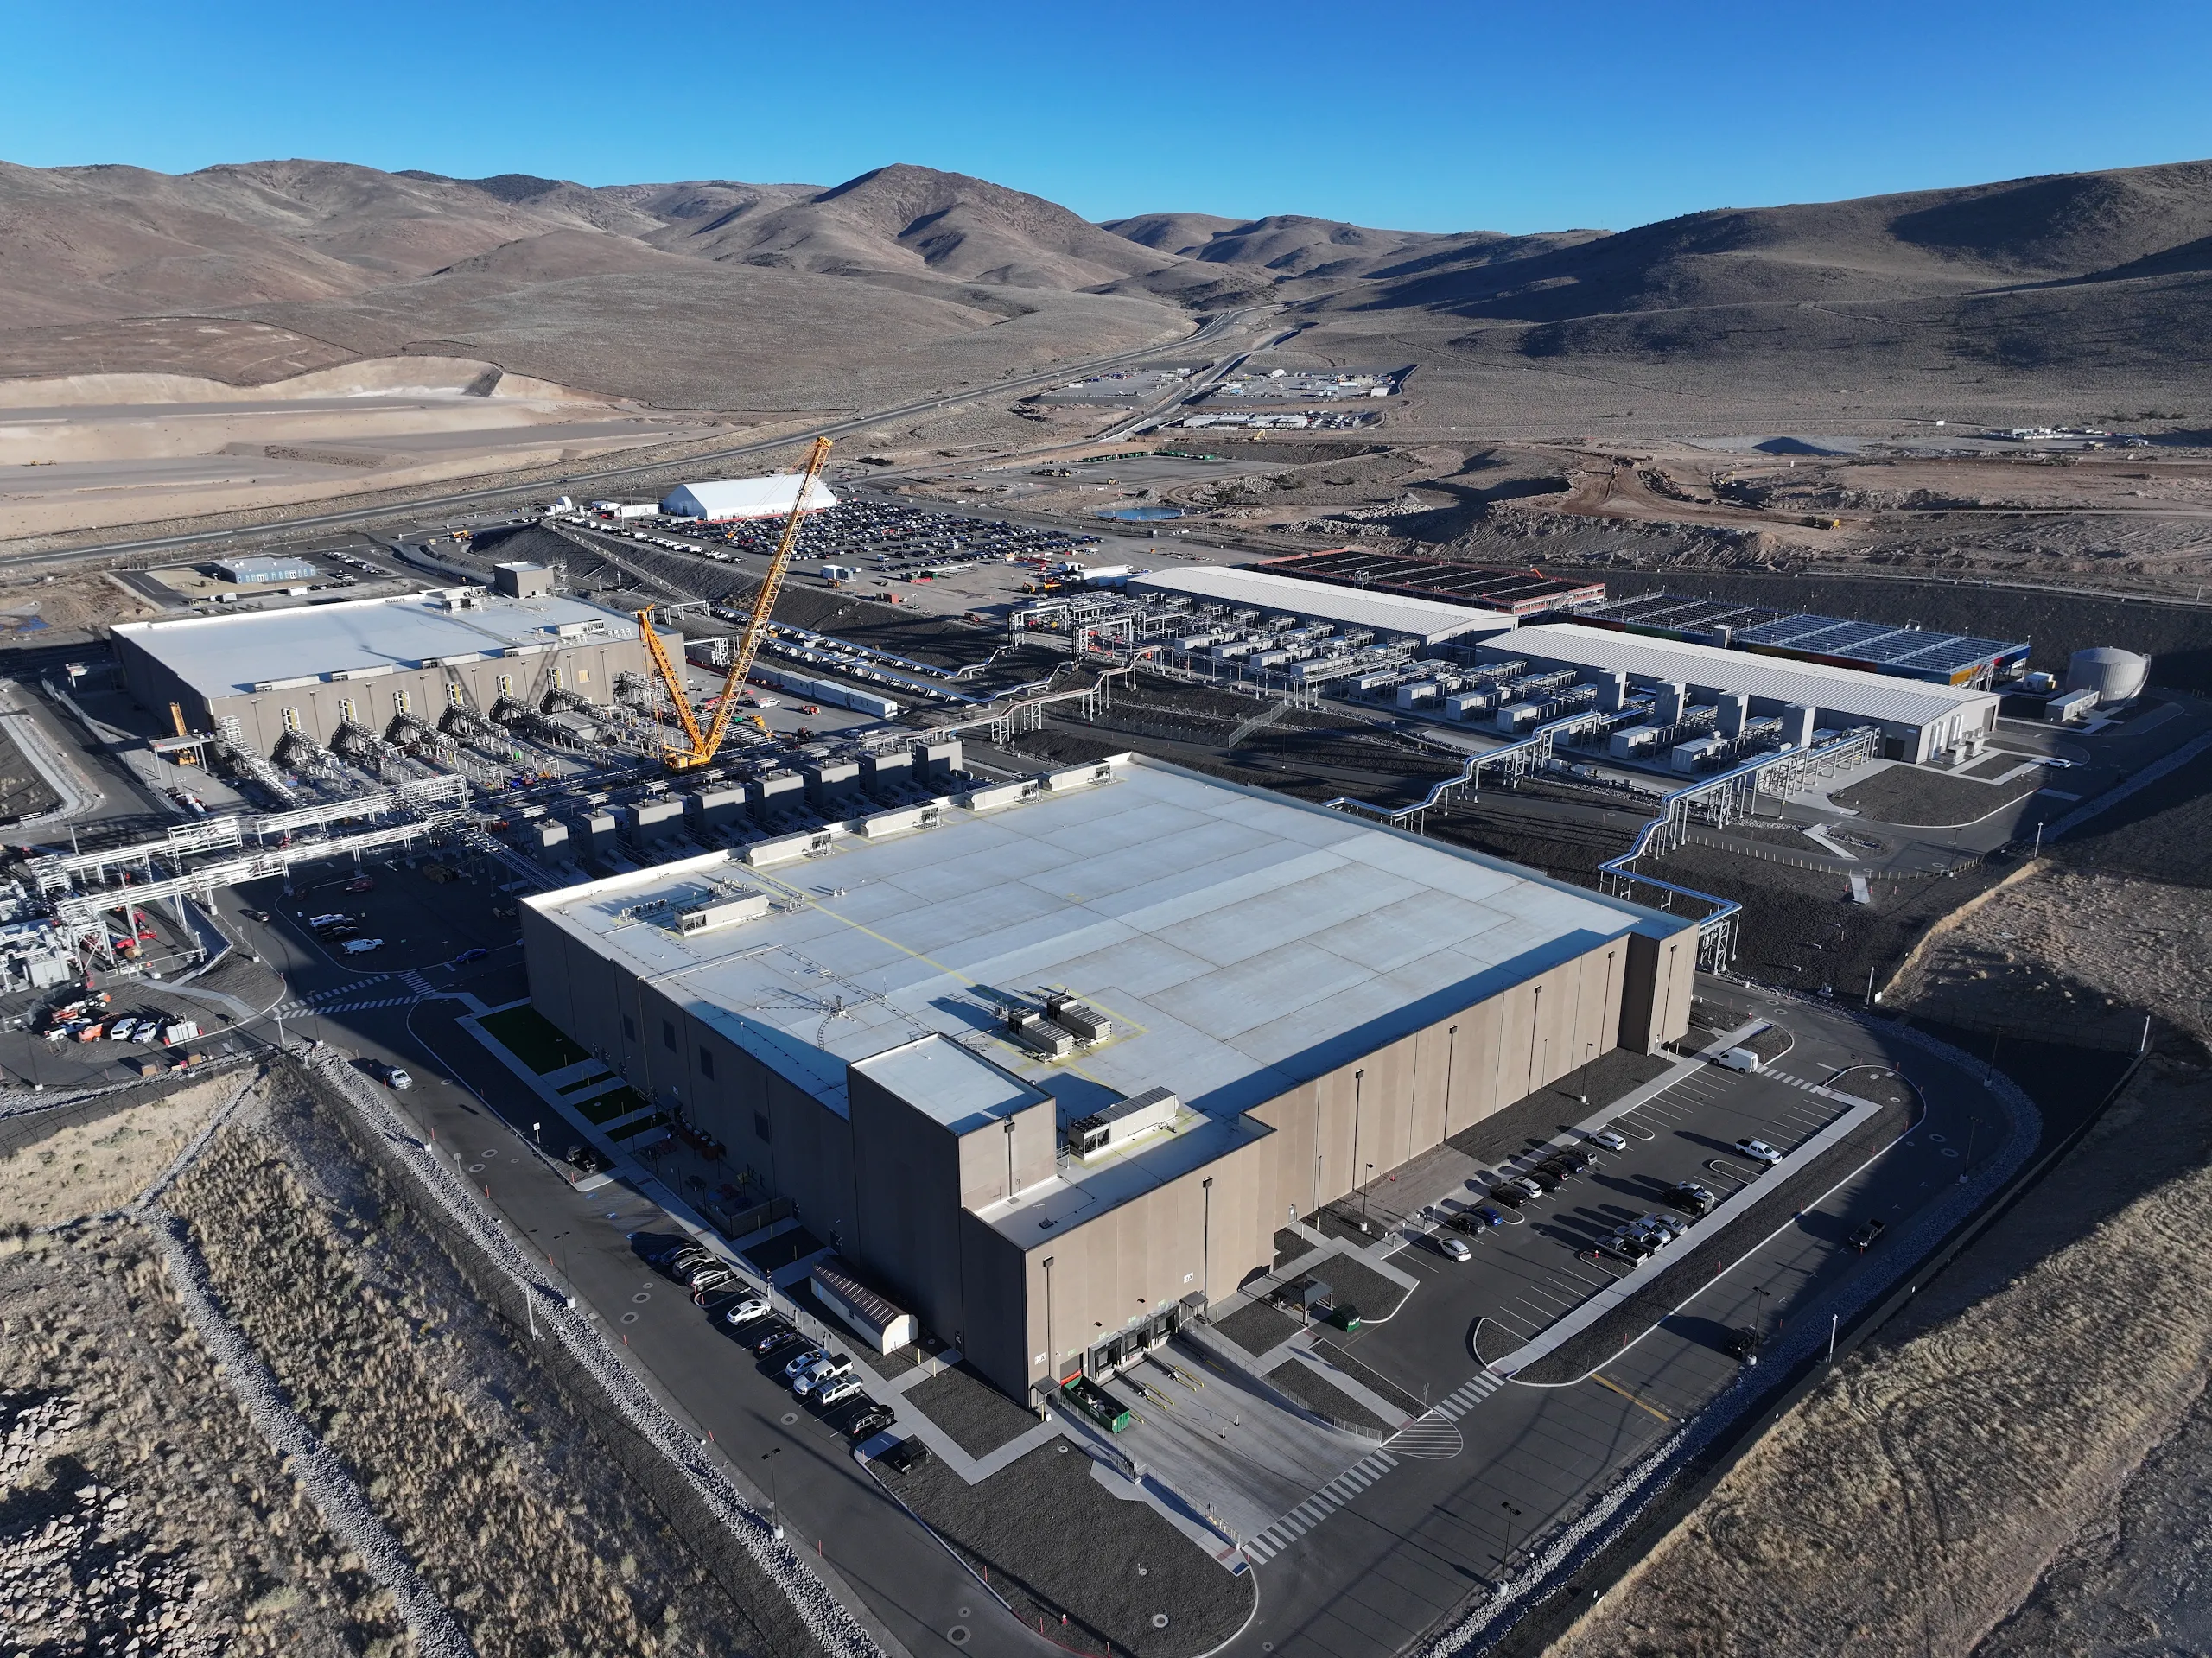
(254, 676)
(1273, 999)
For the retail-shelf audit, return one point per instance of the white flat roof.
(944, 1080)
(1242, 941)
(1425, 619)
(1881, 697)
(745, 498)
(227, 656)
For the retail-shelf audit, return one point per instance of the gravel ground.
(23, 792)
(1326, 1400)
(2163, 832)
(1916, 798)
(1054, 1542)
(978, 1416)
(1354, 1281)
(1961, 1469)
(1373, 1379)
(1290, 1245)
(1257, 1327)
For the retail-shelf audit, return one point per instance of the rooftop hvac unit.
(1113, 1128)
(746, 905)
(1039, 1035)
(1070, 1015)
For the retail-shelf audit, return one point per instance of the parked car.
(1634, 1245)
(800, 1361)
(361, 946)
(317, 923)
(1692, 1198)
(1743, 1346)
(1758, 1151)
(744, 1312)
(121, 1030)
(395, 1076)
(1665, 1228)
(870, 1419)
(1487, 1216)
(905, 1456)
(1547, 1177)
(1863, 1238)
(1609, 1140)
(586, 1158)
(1452, 1248)
(1511, 1197)
(362, 884)
(837, 1391)
(1523, 1185)
(772, 1341)
(1573, 1159)
(467, 955)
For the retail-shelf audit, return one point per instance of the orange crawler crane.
(699, 747)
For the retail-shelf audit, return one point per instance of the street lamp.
(1365, 1192)
(1973, 1127)
(1512, 1514)
(775, 1521)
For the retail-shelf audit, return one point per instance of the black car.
(1550, 1176)
(1743, 1346)
(1863, 1238)
(868, 1421)
(585, 1157)
(775, 1340)
(905, 1456)
(1511, 1197)
(1691, 1199)
(1573, 1159)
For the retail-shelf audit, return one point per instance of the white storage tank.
(2116, 675)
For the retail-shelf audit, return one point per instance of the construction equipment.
(700, 747)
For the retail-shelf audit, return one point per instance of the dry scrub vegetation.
(520, 1527)
(1915, 1500)
(2074, 956)
(137, 1505)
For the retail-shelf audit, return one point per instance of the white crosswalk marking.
(1318, 1507)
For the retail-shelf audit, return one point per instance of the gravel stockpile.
(1916, 798)
(1257, 1327)
(1325, 1399)
(1054, 1541)
(978, 1416)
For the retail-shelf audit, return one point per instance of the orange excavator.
(699, 748)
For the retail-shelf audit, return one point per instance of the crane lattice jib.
(675, 688)
(764, 605)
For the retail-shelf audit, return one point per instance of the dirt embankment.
(138, 1504)
(1914, 1500)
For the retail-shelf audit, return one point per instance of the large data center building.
(1269, 1005)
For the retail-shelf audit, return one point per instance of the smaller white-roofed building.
(728, 499)
(1425, 621)
(1918, 718)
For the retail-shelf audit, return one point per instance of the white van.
(1739, 1059)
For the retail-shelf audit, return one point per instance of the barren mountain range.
(722, 294)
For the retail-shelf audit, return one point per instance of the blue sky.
(1413, 116)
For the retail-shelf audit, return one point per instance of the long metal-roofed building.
(1517, 592)
(1052, 1065)
(728, 500)
(1387, 615)
(1917, 720)
(1872, 647)
(255, 677)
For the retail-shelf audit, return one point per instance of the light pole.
(1358, 1089)
(1512, 1514)
(1206, 1250)
(1973, 1127)
(1365, 1192)
(775, 1521)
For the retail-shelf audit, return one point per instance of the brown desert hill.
(1875, 248)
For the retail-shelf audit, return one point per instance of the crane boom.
(764, 605)
(702, 747)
